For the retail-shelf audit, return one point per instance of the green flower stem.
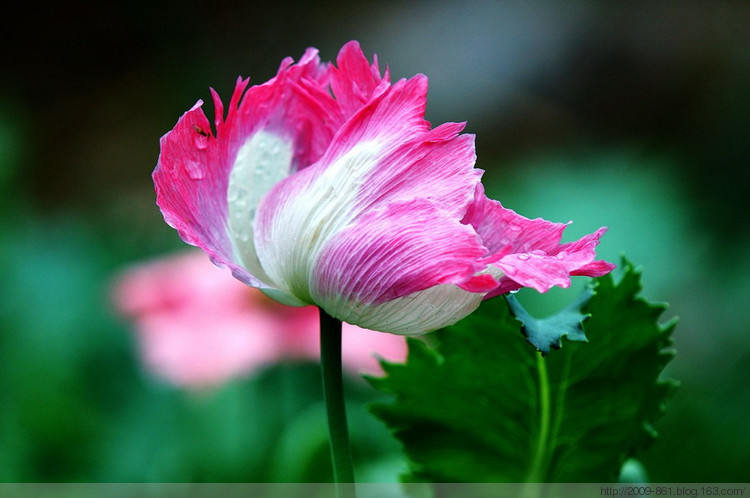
(330, 362)
(539, 464)
(538, 470)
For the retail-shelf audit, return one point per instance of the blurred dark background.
(633, 115)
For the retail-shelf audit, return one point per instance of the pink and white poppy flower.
(325, 185)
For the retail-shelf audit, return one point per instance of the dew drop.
(194, 170)
(200, 138)
(515, 227)
(523, 257)
(201, 141)
(511, 271)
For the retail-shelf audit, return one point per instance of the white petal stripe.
(306, 214)
(262, 161)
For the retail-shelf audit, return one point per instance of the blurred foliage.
(630, 115)
(76, 405)
(631, 192)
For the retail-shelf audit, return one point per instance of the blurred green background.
(630, 115)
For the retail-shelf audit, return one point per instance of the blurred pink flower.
(197, 328)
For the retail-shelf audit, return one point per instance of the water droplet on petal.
(200, 141)
(511, 271)
(523, 257)
(200, 138)
(194, 170)
(515, 227)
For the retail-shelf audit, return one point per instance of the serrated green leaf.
(547, 333)
(482, 405)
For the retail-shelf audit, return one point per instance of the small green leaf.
(480, 404)
(546, 333)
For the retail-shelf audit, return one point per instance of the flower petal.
(191, 184)
(528, 251)
(294, 105)
(384, 154)
(542, 270)
(208, 186)
(420, 312)
(503, 229)
(355, 81)
(393, 252)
